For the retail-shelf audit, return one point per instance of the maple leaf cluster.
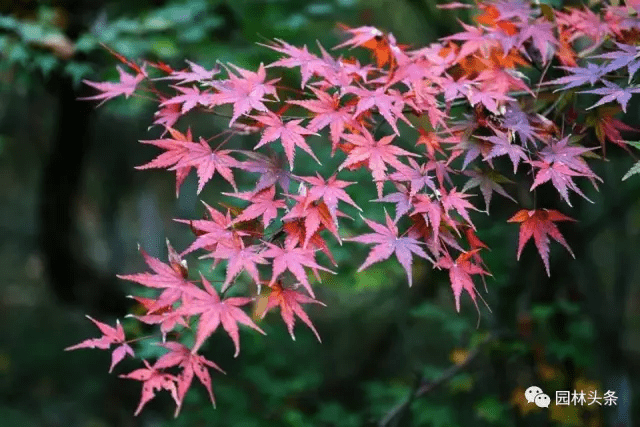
(428, 125)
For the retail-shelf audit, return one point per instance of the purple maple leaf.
(613, 92)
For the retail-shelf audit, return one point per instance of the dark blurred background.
(73, 209)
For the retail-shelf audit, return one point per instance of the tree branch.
(429, 387)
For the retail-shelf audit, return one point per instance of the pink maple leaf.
(197, 74)
(579, 77)
(246, 91)
(431, 209)
(360, 36)
(214, 312)
(126, 86)
(388, 102)
(271, 170)
(291, 134)
(293, 259)
(153, 380)
(213, 231)
(172, 278)
(191, 364)
(262, 204)
(190, 98)
(330, 191)
(560, 176)
(456, 200)
(176, 148)
(387, 243)
(239, 259)
(488, 182)
(314, 215)
(503, 145)
(207, 162)
(401, 198)
(377, 154)
(416, 175)
(297, 57)
(327, 112)
(569, 155)
(110, 335)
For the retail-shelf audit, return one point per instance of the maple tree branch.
(430, 386)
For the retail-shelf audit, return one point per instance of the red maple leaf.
(110, 335)
(182, 154)
(539, 223)
(376, 154)
(289, 302)
(191, 364)
(296, 232)
(460, 272)
(214, 312)
(152, 380)
(315, 216)
(387, 243)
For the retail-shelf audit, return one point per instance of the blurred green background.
(72, 210)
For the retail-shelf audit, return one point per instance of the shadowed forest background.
(73, 210)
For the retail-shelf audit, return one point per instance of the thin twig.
(427, 388)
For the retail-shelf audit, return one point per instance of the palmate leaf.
(213, 312)
(460, 272)
(289, 302)
(539, 224)
(387, 243)
(126, 86)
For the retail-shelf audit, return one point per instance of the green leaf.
(635, 144)
(635, 169)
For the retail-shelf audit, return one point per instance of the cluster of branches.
(463, 102)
